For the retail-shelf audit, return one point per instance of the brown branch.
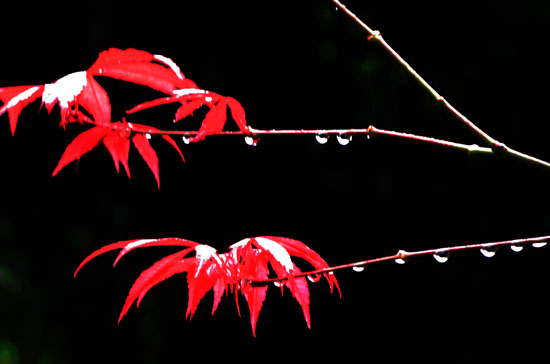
(496, 145)
(441, 255)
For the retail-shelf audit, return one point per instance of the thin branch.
(441, 255)
(321, 133)
(495, 144)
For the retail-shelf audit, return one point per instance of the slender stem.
(370, 131)
(401, 256)
(495, 144)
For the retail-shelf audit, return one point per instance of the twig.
(440, 254)
(496, 145)
(321, 133)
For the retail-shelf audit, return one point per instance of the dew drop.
(277, 284)
(251, 140)
(441, 256)
(516, 247)
(539, 244)
(147, 136)
(343, 139)
(314, 278)
(401, 259)
(321, 138)
(359, 268)
(185, 139)
(488, 252)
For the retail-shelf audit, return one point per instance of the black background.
(298, 64)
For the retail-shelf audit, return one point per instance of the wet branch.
(441, 255)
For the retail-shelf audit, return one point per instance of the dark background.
(298, 64)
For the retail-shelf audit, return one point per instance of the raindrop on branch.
(186, 139)
(516, 247)
(147, 136)
(441, 256)
(359, 268)
(539, 244)
(314, 278)
(401, 259)
(321, 138)
(251, 140)
(488, 252)
(343, 139)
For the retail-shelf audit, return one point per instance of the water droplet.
(147, 136)
(539, 244)
(314, 278)
(208, 99)
(186, 139)
(343, 139)
(359, 268)
(321, 138)
(277, 284)
(441, 256)
(488, 252)
(251, 140)
(516, 247)
(401, 259)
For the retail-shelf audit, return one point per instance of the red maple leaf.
(242, 269)
(16, 98)
(192, 99)
(82, 99)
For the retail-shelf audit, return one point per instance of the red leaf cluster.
(81, 99)
(246, 264)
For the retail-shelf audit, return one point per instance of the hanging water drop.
(516, 247)
(488, 252)
(314, 278)
(186, 139)
(441, 256)
(251, 140)
(277, 284)
(539, 244)
(147, 136)
(321, 138)
(358, 268)
(401, 259)
(343, 139)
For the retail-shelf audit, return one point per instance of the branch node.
(499, 148)
(375, 35)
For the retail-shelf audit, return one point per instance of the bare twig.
(496, 145)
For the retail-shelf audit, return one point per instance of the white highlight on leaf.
(21, 97)
(208, 99)
(173, 66)
(204, 252)
(188, 91)
(277, 251)
(64, 90)
(137, 243)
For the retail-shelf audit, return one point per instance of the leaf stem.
(401, 256)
